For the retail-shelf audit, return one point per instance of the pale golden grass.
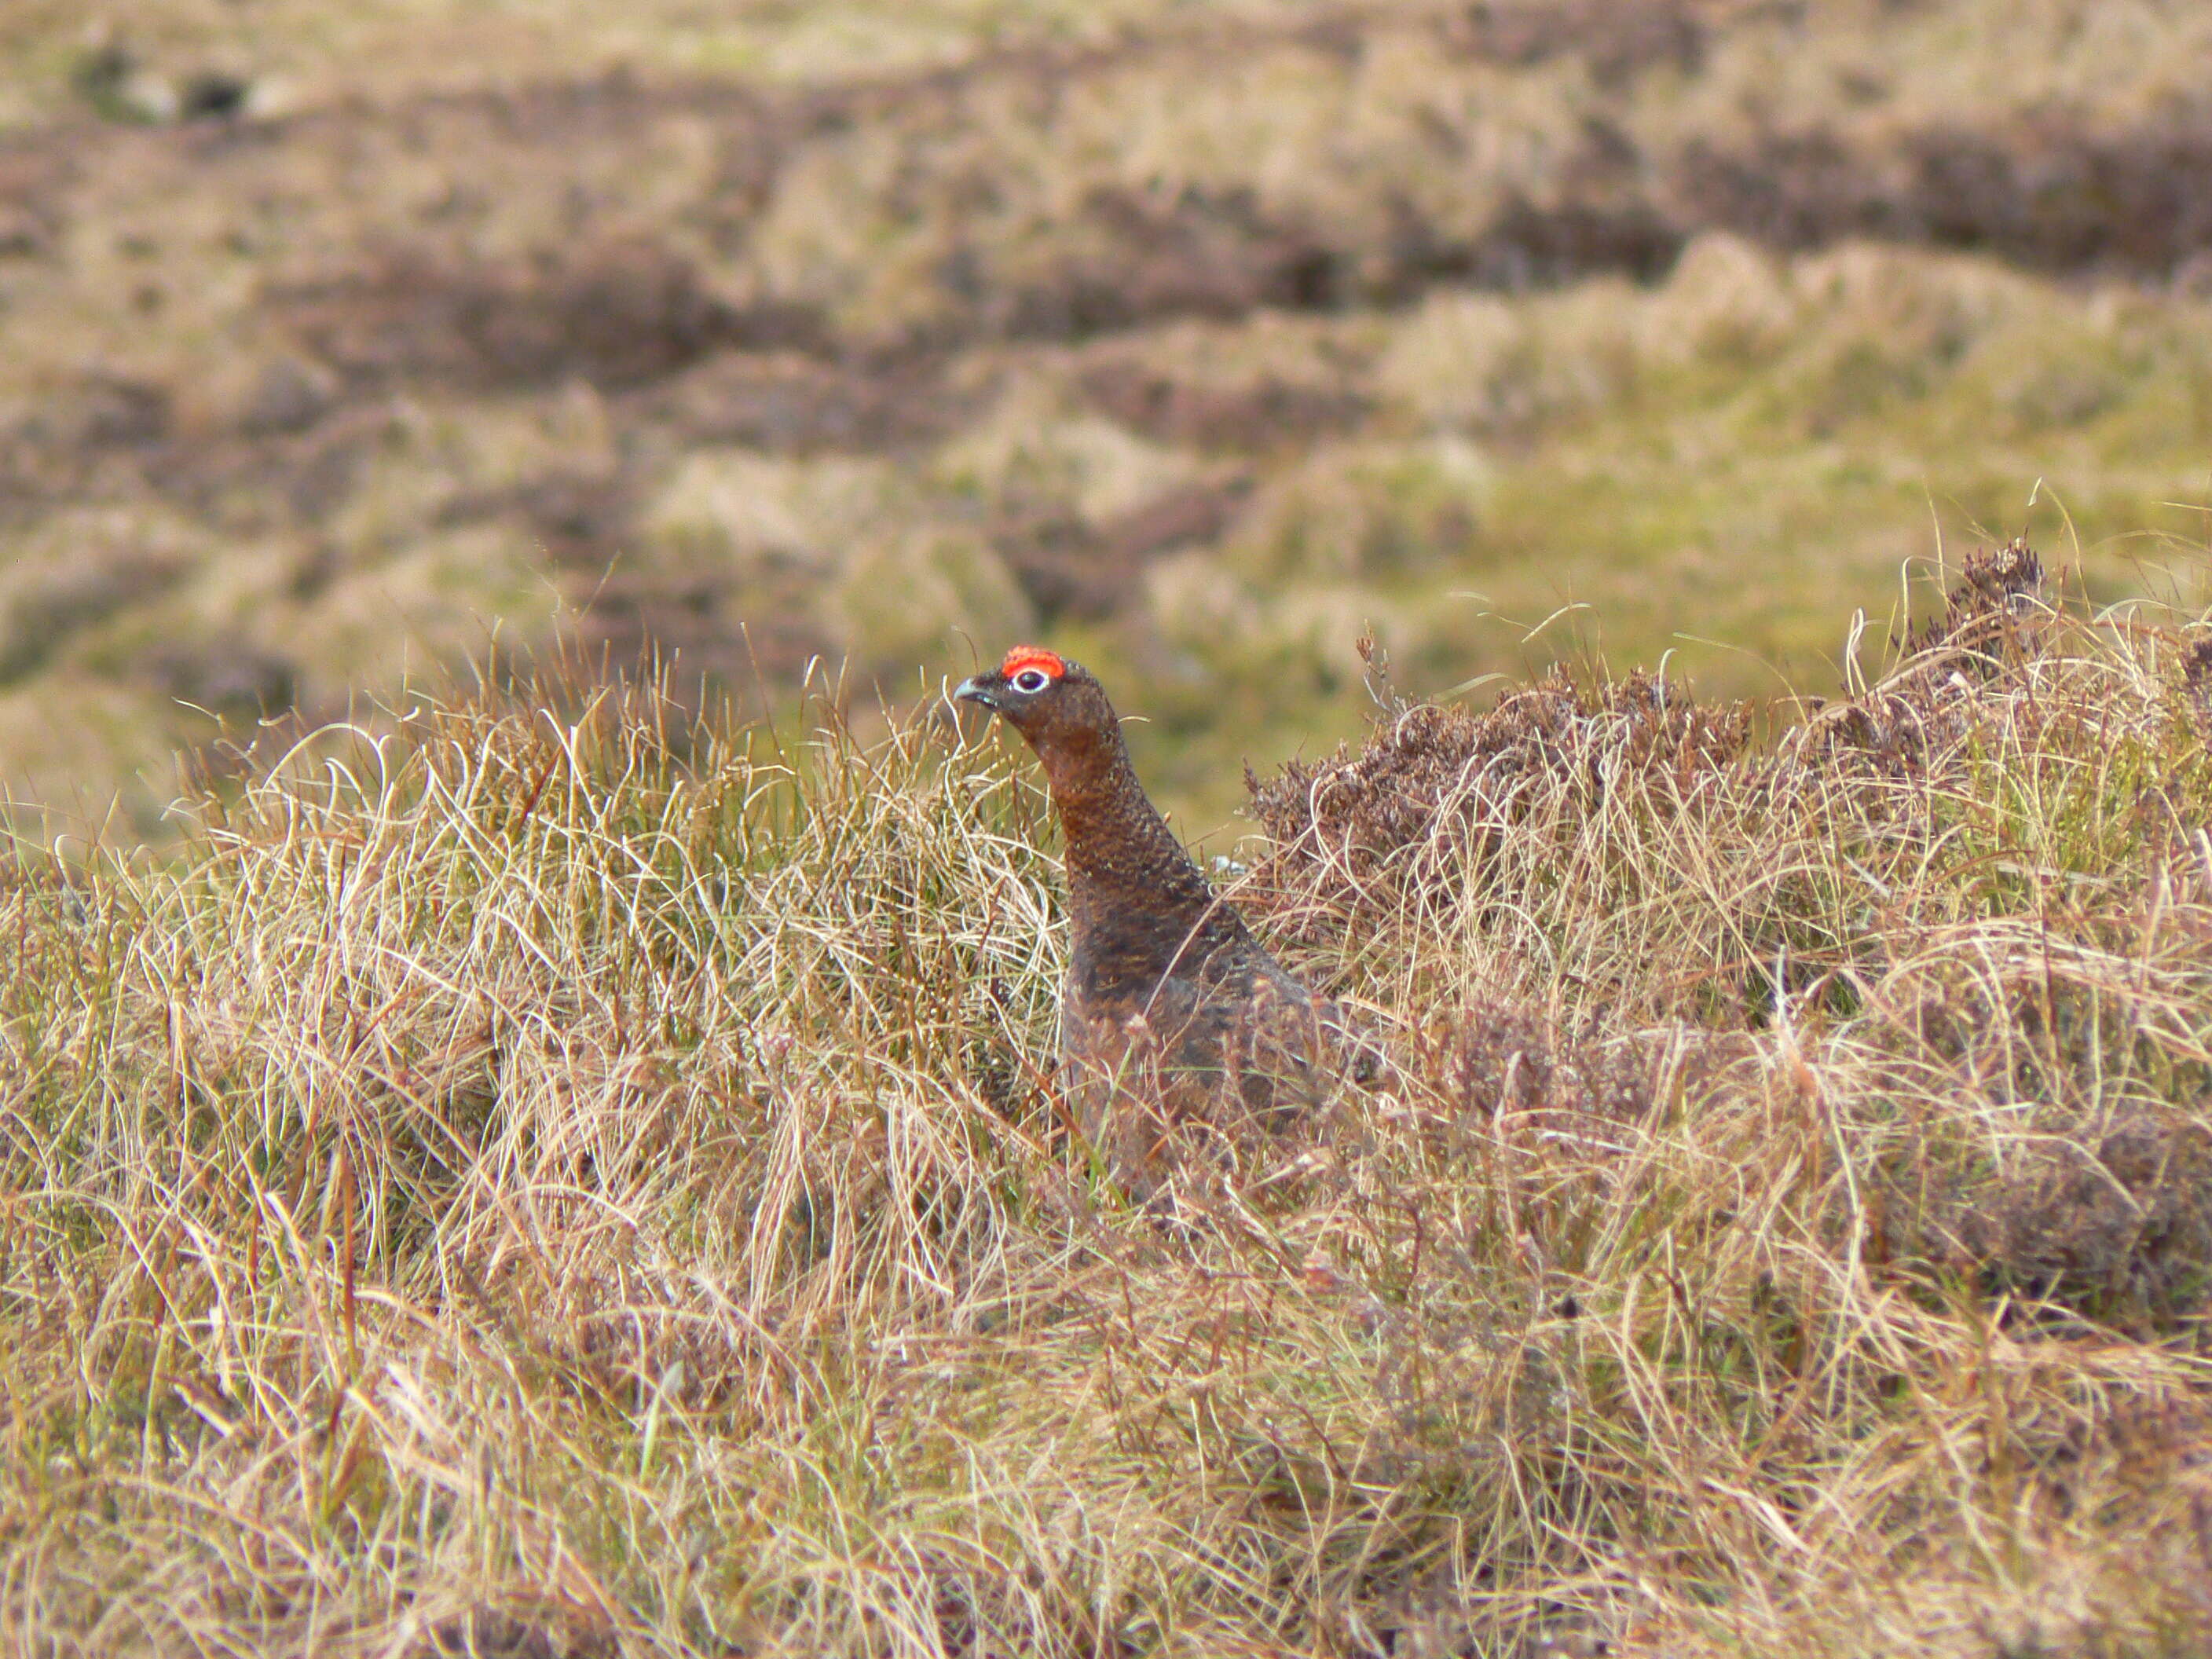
(577, 1176)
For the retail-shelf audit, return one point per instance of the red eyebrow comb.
(1048, 663)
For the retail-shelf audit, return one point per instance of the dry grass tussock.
(590, 1184)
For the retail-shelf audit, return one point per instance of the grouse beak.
(975, 688)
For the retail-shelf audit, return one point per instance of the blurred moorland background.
(335, 341)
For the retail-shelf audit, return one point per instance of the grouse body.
(1171, 1009)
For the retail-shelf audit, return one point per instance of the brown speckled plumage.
(1172, 1011)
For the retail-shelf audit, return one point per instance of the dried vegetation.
(588, 1183)
(332, 341)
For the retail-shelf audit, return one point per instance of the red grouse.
(1172, 1009)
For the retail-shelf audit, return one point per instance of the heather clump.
(2119, 1230)
(1998, 591)
(1966, 663)
(2197, 682)
(1436, 791)
(1494, 1066)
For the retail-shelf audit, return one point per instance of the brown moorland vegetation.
(582, 1185)
(566, 1163)
(337, 341)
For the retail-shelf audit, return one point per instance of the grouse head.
(1055, 703)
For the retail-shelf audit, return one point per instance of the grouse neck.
(1115, 835)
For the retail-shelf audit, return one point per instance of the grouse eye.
(1030, 681)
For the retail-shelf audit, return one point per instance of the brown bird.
(1173, 1013)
